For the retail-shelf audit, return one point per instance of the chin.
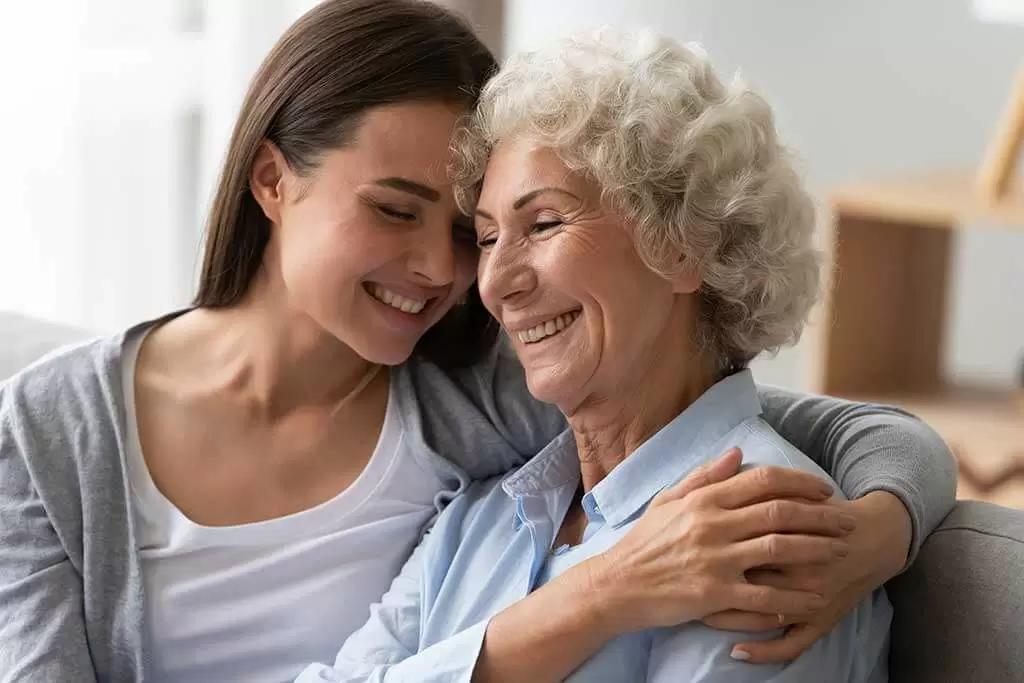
(547, 388)
(382, 348)
(385, 354)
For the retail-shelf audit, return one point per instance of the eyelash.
(461, 233)
(395, 213)
(540, 226)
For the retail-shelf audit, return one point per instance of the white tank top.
(258, 602)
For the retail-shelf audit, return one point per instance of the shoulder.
(762, 445)
(475, 383)
(59, 386)
(482, 417)
(60, 415)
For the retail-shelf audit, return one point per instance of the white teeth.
(398, 301)
(547, 329)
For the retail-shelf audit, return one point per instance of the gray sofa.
(959, 609)
(24, 339)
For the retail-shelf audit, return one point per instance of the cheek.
(319, 259)
(628, 301)
(323, 260)
(634, 312)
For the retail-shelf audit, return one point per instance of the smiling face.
(560, 272)
(372, 247)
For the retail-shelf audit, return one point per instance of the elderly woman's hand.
(688, 555)
(878, 551)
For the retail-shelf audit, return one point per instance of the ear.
(686, 281)
(267, 180)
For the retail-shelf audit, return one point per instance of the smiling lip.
(537, 328)
(403, 298)
(396, 300)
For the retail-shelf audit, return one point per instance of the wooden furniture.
(882, 332)
(997, 169)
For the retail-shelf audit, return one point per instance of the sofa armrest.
(959, 610)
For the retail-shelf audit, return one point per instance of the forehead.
(411, 140)
(521, 165)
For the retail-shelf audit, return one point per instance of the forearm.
(550, 633)
(871, 448)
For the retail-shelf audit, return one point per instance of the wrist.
(600, 588)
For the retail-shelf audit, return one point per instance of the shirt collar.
(676, 449)
(555, 466)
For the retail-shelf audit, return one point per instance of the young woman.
(222, 493)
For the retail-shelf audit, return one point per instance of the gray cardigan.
(71, 603)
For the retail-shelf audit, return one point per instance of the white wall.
(860, 88)
(116, 115)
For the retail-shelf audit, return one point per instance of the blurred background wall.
(116, 114)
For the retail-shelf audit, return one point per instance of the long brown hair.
(339, 60)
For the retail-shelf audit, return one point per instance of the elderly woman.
(643, 238)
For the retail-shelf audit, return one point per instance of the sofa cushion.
(959, 610)
(24, 340)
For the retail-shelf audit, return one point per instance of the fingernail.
(847, 522)
(739, 654)
(826, 490)
(841, 549)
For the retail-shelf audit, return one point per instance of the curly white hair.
(694, 166)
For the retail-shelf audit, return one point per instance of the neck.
(274, 358)
(608, 427)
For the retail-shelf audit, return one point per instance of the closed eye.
(542, 226)
(395, 213)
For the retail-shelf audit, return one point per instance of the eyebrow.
(527, 198)
(530, 196)
(404, 185)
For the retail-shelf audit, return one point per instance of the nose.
(432, 256)
(505, 277)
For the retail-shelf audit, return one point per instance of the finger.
(774, 601)
(813, 581)
(717, 470)
(786, 648)
(785, 549)
(768, 482)
(738, 620)
(790, 517)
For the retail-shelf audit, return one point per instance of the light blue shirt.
(492, 546)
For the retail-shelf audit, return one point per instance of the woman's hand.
(688, 554)
(878, 551)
